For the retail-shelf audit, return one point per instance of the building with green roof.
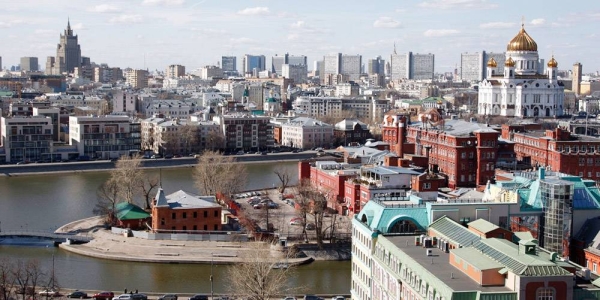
(131, 216)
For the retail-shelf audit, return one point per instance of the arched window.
(545, 294)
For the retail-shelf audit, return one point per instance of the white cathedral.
(521, 91)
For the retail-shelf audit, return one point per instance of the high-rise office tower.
(376, 66)
(229, 63)
(254, 62)
(412, 66)
(318, 67)
(277, 61)
(332, 64)
(297, 60)
(576, 78)
(29, 64)
(295, 72)
(473, 66)
(351, 66)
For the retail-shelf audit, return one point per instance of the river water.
(46, 202)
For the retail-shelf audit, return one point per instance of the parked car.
(296, 221)
(103, 296)
(338, 298)
(240, 153)
(167, 156)
(168, 297)
(123, 297)
(310, 226)
(139, 297)
(289, 298)
(77, 294)
(311, 297)
(258, 206)
(49, 292)
(198, 297)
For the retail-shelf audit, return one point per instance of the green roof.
(515, 260)
(383, 218)
(476, 258)
(128, 211)
(483, 226)
(449, 230)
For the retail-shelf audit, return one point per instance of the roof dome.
(509, 62)
(552, 63)
(522, 42)
(492, 63)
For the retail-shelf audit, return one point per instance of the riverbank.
(107, 165)
(107, 245)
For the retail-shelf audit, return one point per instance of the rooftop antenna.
(160, 178)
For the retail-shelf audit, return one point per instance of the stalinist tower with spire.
(68, 54)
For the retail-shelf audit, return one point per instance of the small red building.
(183, 211)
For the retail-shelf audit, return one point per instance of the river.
(46, 202)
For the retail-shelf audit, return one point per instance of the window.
(216, 213)
(594, 267)
(545, 294)
(206, 214)
(205, 227)
(216, 227)
(162, 221)
(184, 215)
(195, 214)
(184, 228)
(173, 216)
(463, 155)
(195, 227)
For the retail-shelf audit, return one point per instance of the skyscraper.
(278, 61)
(229, 63)
(68, 54)
(254, 62)
(331, 64)
(376, 66)
(473, 65)
(29, 64)
(351, 65)
(412, 66)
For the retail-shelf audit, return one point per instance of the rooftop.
(456, 127)
(439, 266)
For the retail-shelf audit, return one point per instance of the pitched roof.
(128, 211)
(185, 200)
(160, 198)
(483, 226)
(454, 232)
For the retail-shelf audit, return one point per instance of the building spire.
(69, 31)
(395, 48)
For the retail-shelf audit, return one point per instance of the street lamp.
(212, 295)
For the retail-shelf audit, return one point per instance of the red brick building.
(465, 151)
(556, 149)
(183, 211)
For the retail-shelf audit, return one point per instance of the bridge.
(46, 235)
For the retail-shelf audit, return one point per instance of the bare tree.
(128, 176)
(258, 276)
(304, 203)
(188, 134)
(26, 275)
(35, 274)
(147, 187)
(7, 280)
(284, 175)
(215, 140)
(312, 202)
(216, 174)
(108, 197)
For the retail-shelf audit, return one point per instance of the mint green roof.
(515, 260)
(432, 99)
(449, 230)
(483, 226)
(6, 94)
(476, 258)
(128, 211)
(383, 218)
(272, 100)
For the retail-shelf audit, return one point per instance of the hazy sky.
(197, 32)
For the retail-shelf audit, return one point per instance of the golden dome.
(509, 62)
(552, 63)
(522, 42)
(492, 63)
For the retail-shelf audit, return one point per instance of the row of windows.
(184, 228)
(184, 214)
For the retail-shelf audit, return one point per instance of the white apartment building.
(412, 66)
(315, 107)
(97, 104)
(27, 138)
(210, 72)
(124, 101)
(306, 133)
(332, 64)
(297, 73)
(169, 108)
(104, 137)
(347, 89)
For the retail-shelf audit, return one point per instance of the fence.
(221, 236)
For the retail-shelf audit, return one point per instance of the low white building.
(306, 133)
(172, 108)
(104, 137)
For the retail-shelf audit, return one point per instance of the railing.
(45, 234)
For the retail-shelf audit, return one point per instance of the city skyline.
(153, 34)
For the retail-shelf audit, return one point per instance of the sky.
(153, 34)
